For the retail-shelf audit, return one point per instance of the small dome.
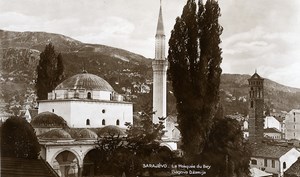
(85, 81)
(111, 130)
(56, 134)
(87, 134)
(48, 120)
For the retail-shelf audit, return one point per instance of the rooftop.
(15, 167)
(271, 130)
(269, 151)
(294, 170)
(48, 120)
(85, 81)
(255, 76)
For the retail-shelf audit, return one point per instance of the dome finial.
(84, 71)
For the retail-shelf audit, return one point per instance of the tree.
(49, 71)
(226, 151)
(18, 139)
(141, 145)
(195, 58)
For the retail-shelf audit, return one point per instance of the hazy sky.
(258, 34)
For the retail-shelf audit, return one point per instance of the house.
(272, 122)
(273, 159)
(292, 124)
(272, 133)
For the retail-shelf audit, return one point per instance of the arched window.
(103, 122)
(284, 165)
(118, 122)
(52, 110)
(89, 95)
(87, 121)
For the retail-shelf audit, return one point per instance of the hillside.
(19, 56)
(234, 94)
(130, 74)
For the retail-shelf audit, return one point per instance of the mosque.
(90, 107)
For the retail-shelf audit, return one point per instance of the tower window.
(103, 111)
(251, 104)
(87, 121)
(103, 122)
(118, 122)
(52, 110)
(284, 165)
(89, 95)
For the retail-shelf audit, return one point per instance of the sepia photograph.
(150, 88)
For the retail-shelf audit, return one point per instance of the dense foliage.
(226, 151)
(126, 154)
(195, 58)
(49, 72)
(18, 139)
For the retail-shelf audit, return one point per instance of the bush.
(18, 139)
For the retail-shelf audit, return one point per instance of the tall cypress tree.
(49, 70)
(195, 58)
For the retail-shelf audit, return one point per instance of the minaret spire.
(160, 65)
(160, 23)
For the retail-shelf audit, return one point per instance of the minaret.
(160, 65)
(256, 108)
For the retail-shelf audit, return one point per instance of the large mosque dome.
(85, 81)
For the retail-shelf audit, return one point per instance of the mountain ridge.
(124, 70)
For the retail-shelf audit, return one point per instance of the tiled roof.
(271, 130)
(294, 170)
(255, 172)
(269, 151)
(256, 76)
(15, 167)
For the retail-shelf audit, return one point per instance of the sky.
(262, 35)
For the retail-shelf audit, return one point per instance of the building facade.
(274, 159)
(88, 101)
(292, 124)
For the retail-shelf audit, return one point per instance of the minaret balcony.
(160, 65)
